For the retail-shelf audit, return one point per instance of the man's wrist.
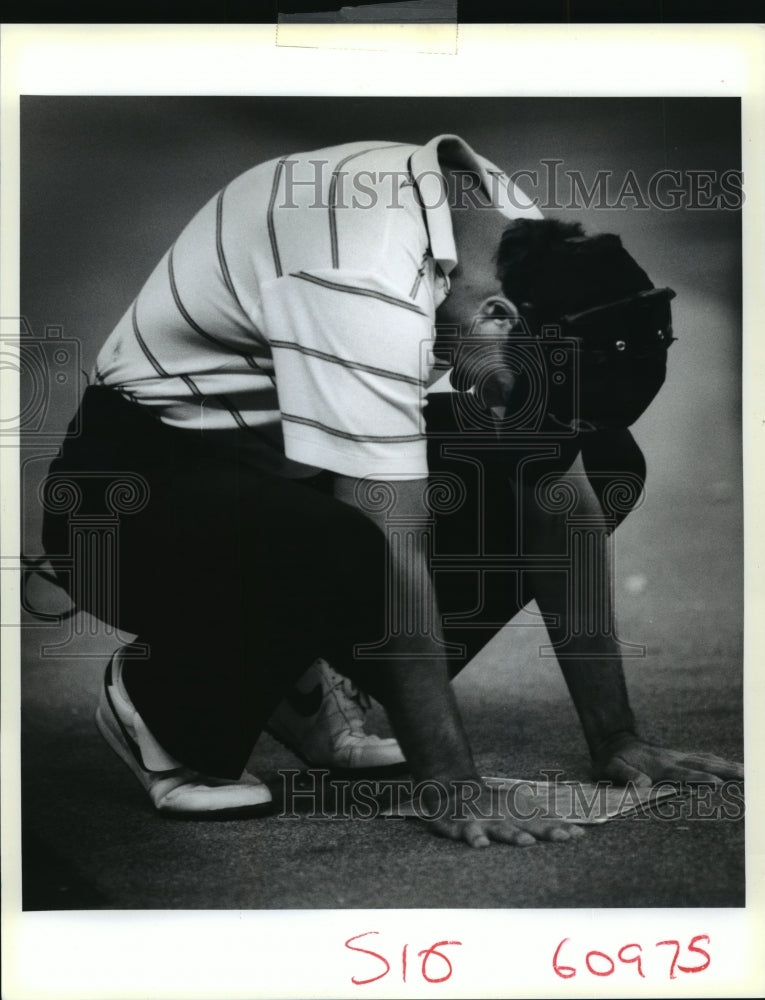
(607, 747)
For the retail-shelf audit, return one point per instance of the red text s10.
(432, 963)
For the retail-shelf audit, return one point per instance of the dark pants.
(237, 580)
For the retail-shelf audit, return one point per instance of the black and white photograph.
(367, 11)
(382, 512)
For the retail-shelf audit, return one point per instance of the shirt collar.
(428, 177)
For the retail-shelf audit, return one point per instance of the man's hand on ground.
(493, 817)
(630, 759)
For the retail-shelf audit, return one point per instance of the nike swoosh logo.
(305, 703)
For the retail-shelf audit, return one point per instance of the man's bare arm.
(412, 682)
(592, 665)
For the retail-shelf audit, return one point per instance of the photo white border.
(232, 954)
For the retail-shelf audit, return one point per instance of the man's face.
(472, 325)
(475, 295)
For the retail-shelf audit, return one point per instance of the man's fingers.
(574, 830)
(728, 770)
(687, 776)
(669, 765)
(475, 836)
(560, 831)
(554, 832)
(480, 833)
(506, 833)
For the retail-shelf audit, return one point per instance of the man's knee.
(554, 505)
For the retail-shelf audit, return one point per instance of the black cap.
(551, 268)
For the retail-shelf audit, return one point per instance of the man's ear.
(495, 316)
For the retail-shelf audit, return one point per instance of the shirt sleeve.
(352, 356)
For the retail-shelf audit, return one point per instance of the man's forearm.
(589, 658)
(411, 679)
(599, 693)
(423, 713)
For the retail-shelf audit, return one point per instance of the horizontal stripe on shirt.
(313, 352)
(335, 432)
(353, 290)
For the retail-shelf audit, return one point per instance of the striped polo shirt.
(296, 311)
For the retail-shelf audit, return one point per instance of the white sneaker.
(172, 787)
(321, 721)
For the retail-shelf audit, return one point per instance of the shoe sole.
(208, 815)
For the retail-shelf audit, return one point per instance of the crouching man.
(270, 385)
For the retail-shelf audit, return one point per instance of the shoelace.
(361, 698)
(349, 689)
(352, 693)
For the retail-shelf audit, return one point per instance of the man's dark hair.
(550, 268)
